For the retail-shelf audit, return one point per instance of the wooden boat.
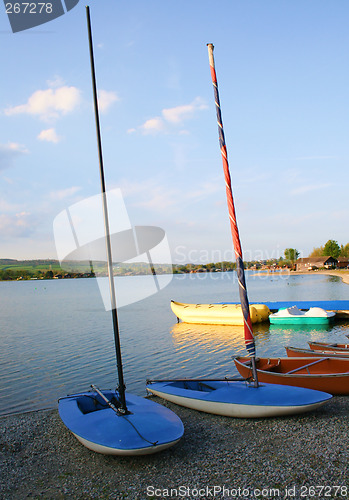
(321, 346)
(294, 315)
(322, 374)
(296, 352)
(109, 422)
(234, 398)
(218, 314)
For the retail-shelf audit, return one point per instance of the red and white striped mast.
(249, 339)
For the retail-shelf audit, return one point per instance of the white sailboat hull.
(107, 450)
(239, 400)
(147, 428)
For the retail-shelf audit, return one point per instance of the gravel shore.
(262, 458)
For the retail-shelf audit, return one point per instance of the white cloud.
(316, 158)
(175, 116)
(49, 135)
(158, 200)
(178, 114)
(56, 82)
(16, 225)
(153, 125)
(49, 104)
(150, 194)
(14, 147)
(106, 99)
(10, 151)
(64, 193)
(8, 207)
(205, 189)
(156, 195)
(310, 187)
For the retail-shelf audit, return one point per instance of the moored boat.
(218, 314)
(114, 422)
(322, 374)
(233, 398)
(294, 352)
(147, 428)
(322, 346)
(294, 315)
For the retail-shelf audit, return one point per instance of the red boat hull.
(295, 352)
(322, 374)
(322, 346)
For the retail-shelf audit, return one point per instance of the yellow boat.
(218, 314)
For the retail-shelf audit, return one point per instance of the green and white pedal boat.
(293, 315)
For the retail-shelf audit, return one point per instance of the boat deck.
(340, 307)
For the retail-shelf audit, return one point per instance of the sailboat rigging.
(232, 397)
(113, 422)
(121, 387)
(249, 339)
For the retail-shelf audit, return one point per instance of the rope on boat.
(121, 414)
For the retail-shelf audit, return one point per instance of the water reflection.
(299, 328)
(334, 279)
(191, 340)
(206, 350)
(340, 327)
(56, 337)
(212, 338)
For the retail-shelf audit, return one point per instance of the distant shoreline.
(341, 274)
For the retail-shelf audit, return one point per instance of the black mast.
(121, 388)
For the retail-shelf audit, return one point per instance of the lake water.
(56, 337)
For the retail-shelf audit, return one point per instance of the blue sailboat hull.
(148, 428)
(239, 399)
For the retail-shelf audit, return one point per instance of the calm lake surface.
(56, 337)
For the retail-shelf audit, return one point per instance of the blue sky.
(283, 74)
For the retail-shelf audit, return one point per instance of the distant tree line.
(331, 248)
(12, 269)
(17, 274)
(211, 267)
(225, 266)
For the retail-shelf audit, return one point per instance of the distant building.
(310, 263)
(343, 263)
